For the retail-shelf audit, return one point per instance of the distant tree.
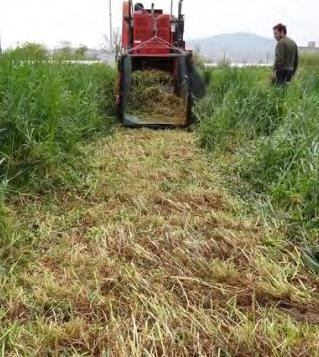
(65, 51)
(116, 45)
(198, 58)
(64, 44)
(81, 51)
(117, 42)
(224, 62)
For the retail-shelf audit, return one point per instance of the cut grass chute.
(153, 98)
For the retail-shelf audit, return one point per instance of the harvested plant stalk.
(152, 98)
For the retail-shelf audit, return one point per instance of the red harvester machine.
(154, 40)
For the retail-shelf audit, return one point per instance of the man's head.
(280, 31)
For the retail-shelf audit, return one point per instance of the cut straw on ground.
(153, 99)
(147, 255)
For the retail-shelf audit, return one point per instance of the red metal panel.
(164, 28)
(126, 25)
(145, 29)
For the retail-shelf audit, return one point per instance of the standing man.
(287, 57)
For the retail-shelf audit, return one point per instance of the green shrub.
(28, 51)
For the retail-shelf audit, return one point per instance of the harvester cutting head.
(153, 42)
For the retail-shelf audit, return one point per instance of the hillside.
(236, 47)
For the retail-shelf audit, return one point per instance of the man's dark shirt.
(287, 57)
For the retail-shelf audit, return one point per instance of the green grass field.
(310, 60)
(269, 139)
(117, 242)
(45, 111)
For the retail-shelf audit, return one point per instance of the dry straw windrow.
(147, 255)
(153, 98)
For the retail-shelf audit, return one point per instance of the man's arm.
(279, 59)
(279, 53)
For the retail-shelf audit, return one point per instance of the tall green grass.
(45, 111)
(309, 59)
(273, 137)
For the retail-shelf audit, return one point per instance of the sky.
(86, 21)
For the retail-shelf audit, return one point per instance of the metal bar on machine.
(111, 26)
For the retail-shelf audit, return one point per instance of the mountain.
(235, 47)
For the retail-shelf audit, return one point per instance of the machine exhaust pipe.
(180, 7)
(180, 24)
